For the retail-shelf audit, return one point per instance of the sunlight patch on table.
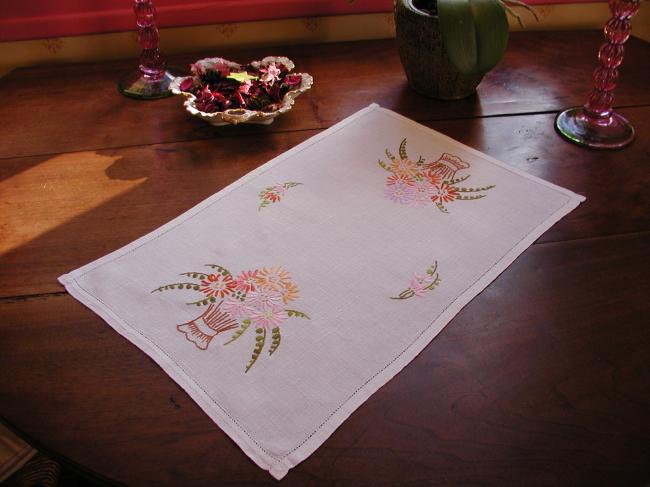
(54, 192)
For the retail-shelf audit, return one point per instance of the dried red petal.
(292, 80)
(186, 84)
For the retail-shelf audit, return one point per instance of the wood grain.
(78, 107)
(531, 384)
(97, 202)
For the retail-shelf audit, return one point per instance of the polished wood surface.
(543, 379)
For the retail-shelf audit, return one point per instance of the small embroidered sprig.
(273, 194)
(421, 284)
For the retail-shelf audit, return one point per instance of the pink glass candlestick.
(151, 80)
(595, 124)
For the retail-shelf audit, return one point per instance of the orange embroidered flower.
(274, 278)
(444, 193)
(434, 178)
(404, 166)
(218, 285)
(272, 196)
(399, 180)
(289, 292)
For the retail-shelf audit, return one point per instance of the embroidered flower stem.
(441, 207)
(177, 285)
(383, 165)
(275, 340)
(244, 326)
(474, 197)
(259, 345)
(474, 190)
(299, 314)
(203, 302)
(402, 150)
(222, 270)
(195, 275)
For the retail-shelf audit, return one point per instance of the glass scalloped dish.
(223, 92)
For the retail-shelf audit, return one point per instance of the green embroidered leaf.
(402, 150)
(240, 331)
(383, 165)
(222, 270)
(389, 155)
(475, 190)
(441, 207)
(420, 161)
(299, 314)
(275, 340)
(291, 184)
(259, 345)
(432, 270)
(434, 284)
(473, 197)
(200, 302)
(264, 204)
(195, 275)
(175, 285)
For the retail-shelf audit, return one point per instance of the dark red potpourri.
(218, 87)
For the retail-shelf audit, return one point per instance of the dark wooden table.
(543, 379)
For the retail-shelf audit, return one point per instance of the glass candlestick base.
(142, 87)
(610, 132)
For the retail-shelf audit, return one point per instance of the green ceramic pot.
(427, 67)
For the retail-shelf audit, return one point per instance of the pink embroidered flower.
(400, 192)
(273, 278)
(263, 298)
(419, 283)
(246, 281)
(268, 318)
(444, 193)
(236, 308)
(218, 285)
(399, 179)
(279, 189)
(422, 193)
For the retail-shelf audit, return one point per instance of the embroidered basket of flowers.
(256, 299)
(421, 183)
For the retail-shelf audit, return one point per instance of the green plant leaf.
(474, 33)
(491, 32)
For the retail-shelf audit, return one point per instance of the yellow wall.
(276, 32)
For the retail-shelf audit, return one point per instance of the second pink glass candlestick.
(152, 80)
(595, 124)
